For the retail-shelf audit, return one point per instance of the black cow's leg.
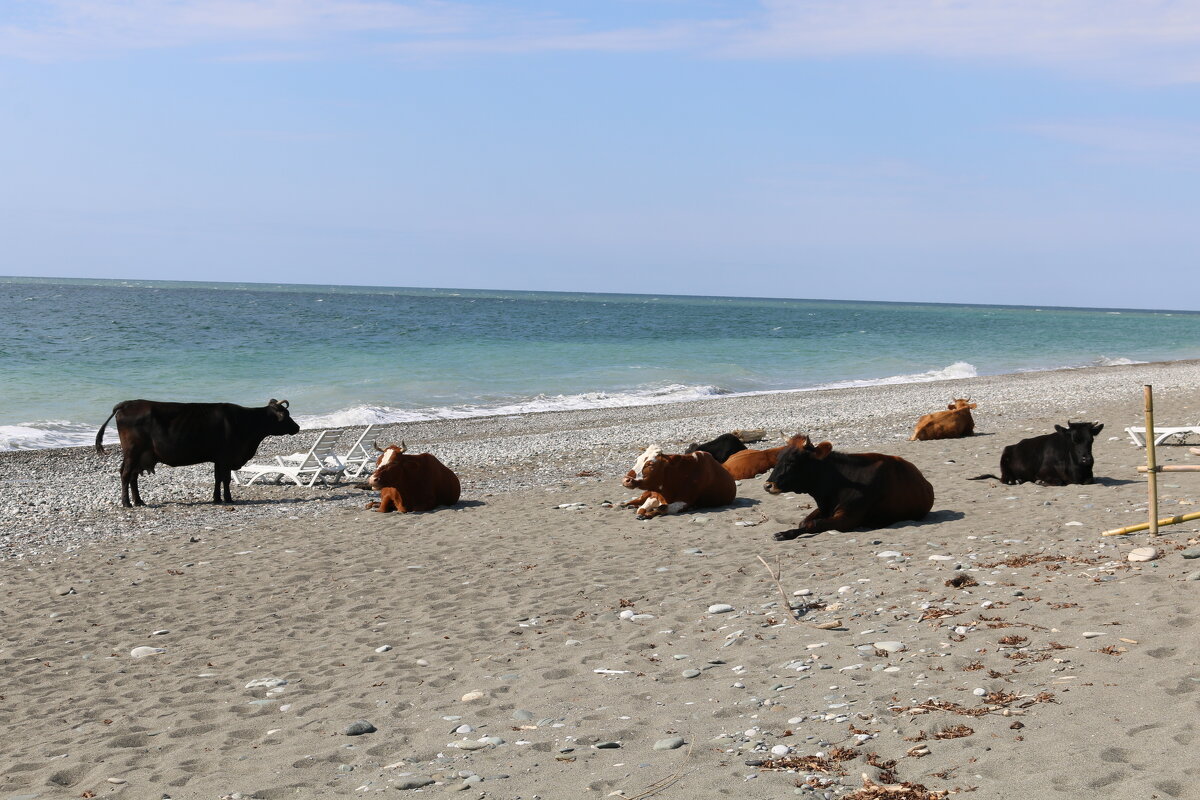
(223, 478)
(129, 484)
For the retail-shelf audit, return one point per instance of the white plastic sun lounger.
(359, 460)
(1138, 434)
(302, 468)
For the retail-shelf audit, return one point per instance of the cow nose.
(770, 487)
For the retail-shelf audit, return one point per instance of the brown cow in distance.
(672, 483)
(953, 423)
(851, 490)
(752, 463)
(411, 482)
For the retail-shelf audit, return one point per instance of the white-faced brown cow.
(953, 423)
(411, 482)
(672, 483)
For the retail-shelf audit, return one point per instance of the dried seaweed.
(954, 732)
(961, 581)
(901, 791)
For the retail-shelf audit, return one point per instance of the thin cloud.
(1132, 141)
(1155, 39)
(1143, 40)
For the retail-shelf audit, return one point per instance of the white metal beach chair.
(302, 468)
(359, 461)
(1138, 434)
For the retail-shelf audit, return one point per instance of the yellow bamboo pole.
(1141, 526)
(1172, 468)
(1151, 471)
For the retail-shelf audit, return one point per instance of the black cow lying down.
(1053, 459)
(720, 448)
(179, 434)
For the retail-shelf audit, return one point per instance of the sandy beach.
(310, 648)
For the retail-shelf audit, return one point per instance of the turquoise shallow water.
(350, 355)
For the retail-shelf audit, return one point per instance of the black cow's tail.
(100, 433)
(985, 477)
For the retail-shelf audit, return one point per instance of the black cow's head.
(280, 419)
(1079, 436)
(798, 466)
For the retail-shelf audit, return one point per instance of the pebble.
(471, 697)
(142, 652)
(672, 743)
(1092, 634)
(889, 647)
(422, 662)
(383, 648)
(359, 727)
(414, 782)
(941, 558)
(1191, 552)
(720, 608)
(521, 715)
(691, 673)
(780, 750)
(1195, 576)
(1144, 554)
(889, 554)
(266, 683)
(607, 745)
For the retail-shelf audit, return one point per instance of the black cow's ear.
(824, 449)
(272, 402)
(1097, 427)
(1060, 429)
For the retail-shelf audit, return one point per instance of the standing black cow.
(179, 434)
(1053, 459)
(720, 448)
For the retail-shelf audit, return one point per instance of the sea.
(351, 355)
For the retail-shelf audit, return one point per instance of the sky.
(994, 151)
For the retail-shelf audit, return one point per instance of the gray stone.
(1191, 552)
(720, 608)
(521, 715)
(607, 745)
(672, 743)
(691, 673)
(414, 782)
(359, 727)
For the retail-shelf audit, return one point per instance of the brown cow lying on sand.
(751, 463)
(953, 423)
(672, 483)
(851, 490)
(411, 483)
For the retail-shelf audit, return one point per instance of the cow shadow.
(468, 504)
(1113, 481)
(932, 518)
(253, 501)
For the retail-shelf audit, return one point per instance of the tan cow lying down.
(411, 483)
(951, 424)
(749, 463)
(673, 483)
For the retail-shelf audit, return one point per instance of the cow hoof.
(787, 536)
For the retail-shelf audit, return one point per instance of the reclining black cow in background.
(179, 434)
(1053, 459)
(720, 448)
